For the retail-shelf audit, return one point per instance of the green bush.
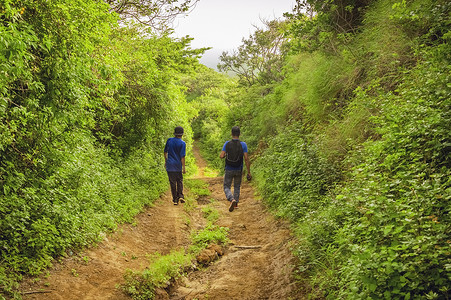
(291, 175)
(162, 269)
(402, 190)
(210, 234)
(85, 108)
(353, 146)
(207, 93)
(385, 235)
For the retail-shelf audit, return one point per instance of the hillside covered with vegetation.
(87, 100)
(344, 105)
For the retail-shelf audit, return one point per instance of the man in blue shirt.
(174, 162)
(234, 151)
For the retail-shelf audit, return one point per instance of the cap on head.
(235, 131)
(178, 130)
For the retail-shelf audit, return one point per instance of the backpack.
(234, 153)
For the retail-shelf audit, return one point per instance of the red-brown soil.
(257, 263)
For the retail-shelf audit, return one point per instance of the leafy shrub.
(85, 107)
(292, 176)
(402, 190)
(162, 269)
(354, 148)
(197, 187)
(207, 92)
(210, 234)
(386, 234)
(210, 213)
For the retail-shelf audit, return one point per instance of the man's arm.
(223, 153)
(165, 159)
(183, 165)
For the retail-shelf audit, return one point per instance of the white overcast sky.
(222, 24)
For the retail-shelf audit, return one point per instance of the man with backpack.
(234, 151)
(174, 162)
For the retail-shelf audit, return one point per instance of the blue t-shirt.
(175, 148)
(230, 168)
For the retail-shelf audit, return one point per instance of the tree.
(318, 24)
(342, 16)
(260, 58)
(155, 13)
(84, 108)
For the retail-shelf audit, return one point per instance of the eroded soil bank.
(257, 264)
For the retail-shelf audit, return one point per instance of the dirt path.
(256, 265)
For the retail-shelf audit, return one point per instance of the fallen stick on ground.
(36, 292)
(248, 247)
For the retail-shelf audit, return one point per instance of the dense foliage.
(353, 146)
(260, 58)
(158, 14)
(345, 107)
(85, 108)
(207, 92)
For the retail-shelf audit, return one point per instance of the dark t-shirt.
(230, 168)
(176, 149)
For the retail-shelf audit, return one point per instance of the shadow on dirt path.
(256, 265)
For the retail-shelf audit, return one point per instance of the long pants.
(234, 176)
(176, 182)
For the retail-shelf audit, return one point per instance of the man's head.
(178, 131)
(236, 131)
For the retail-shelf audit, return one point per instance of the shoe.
(182, 200)
(232, 205)
(175, 202)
